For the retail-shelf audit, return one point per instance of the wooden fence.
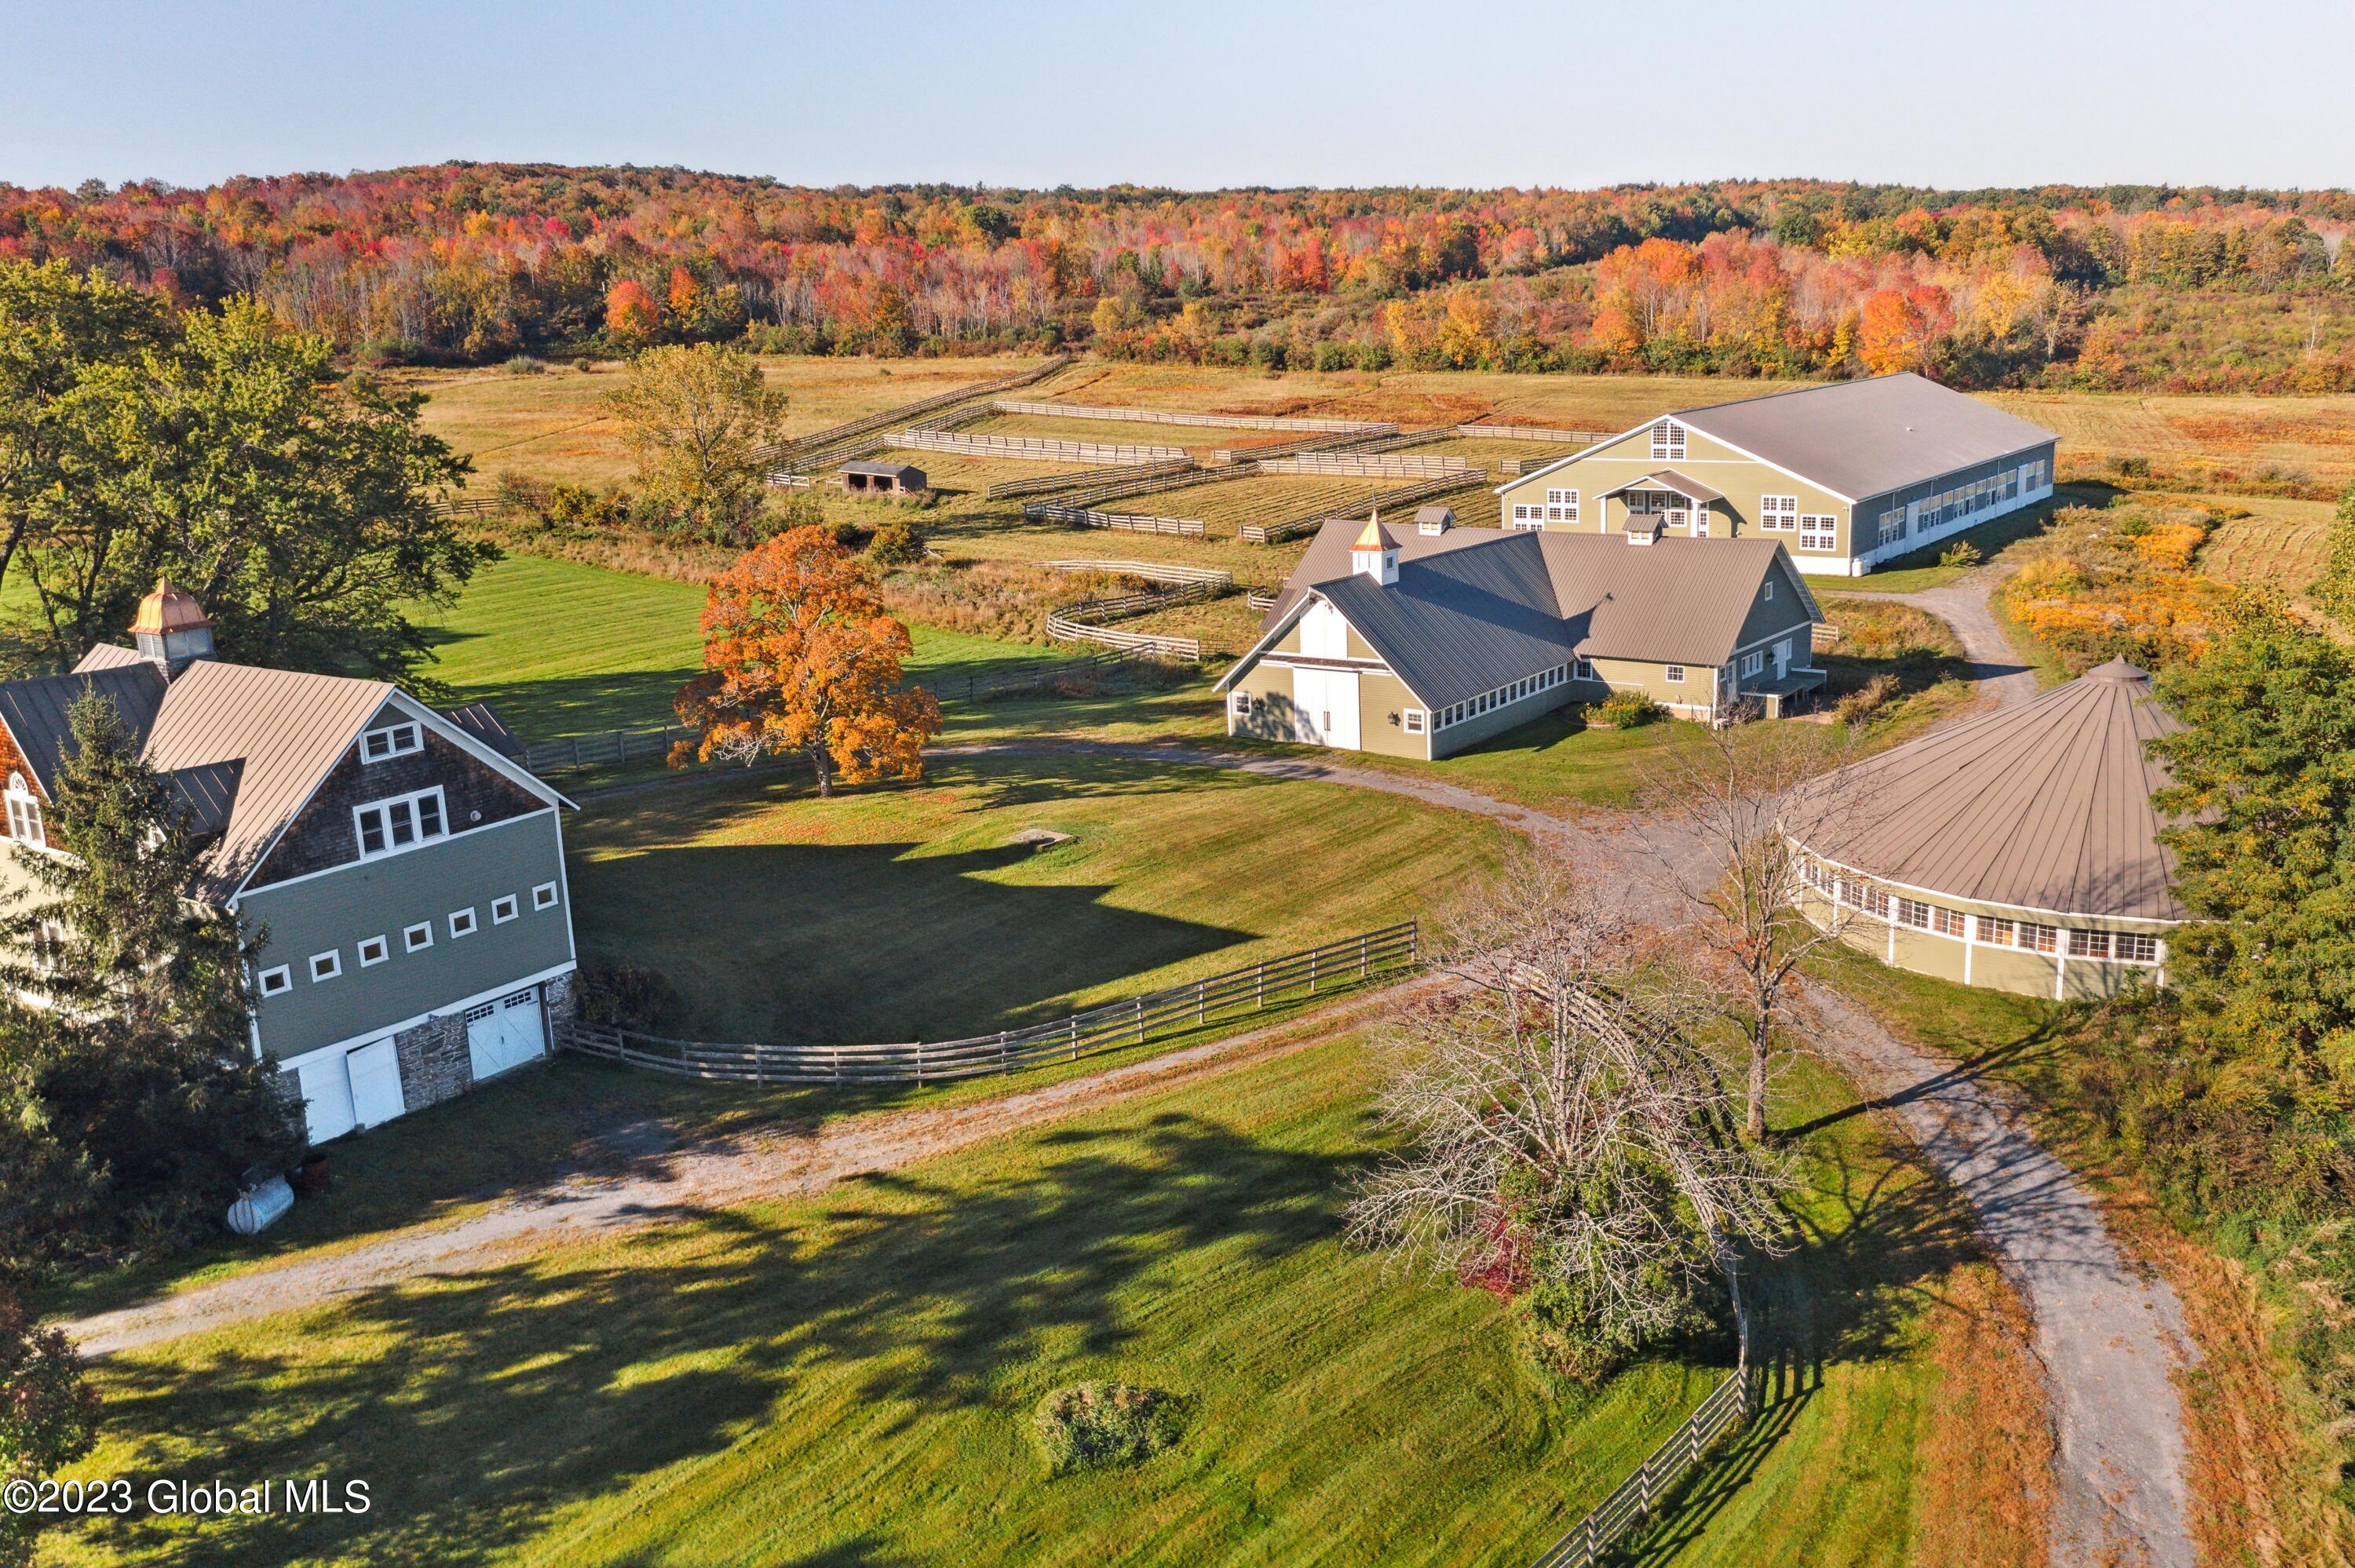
(1231, 455)
(1082, 479)
(1151, 571)
(1359, 465)
(1094, 620)
(1128, 488)
(1178, 1010)
(816, 441)
(1531, 433)
(1258, 600)
(1211, 421)
(1118, 522)
(1726, 1409)
(1032, 449)
(1384, 501)
(467, 506)
(596, 750)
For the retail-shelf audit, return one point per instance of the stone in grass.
(1096, 1426)
(1040, 838)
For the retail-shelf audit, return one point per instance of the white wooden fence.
(1118, 522)
(1726, 1409)
(1086, 478)
(1211, 421)
(1151, 571)
(1360, 465)
(1531, 433)
(1033, 449)
(1178, 1010)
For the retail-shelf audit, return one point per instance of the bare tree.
(1566, 1143)
(1735, 820)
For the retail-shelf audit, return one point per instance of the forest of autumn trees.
(470, 263)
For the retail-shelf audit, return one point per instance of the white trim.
(1691, 429)
(408, 942)
(335, 957)
(536, 903)
(262, 858)
(464, 742)
(473, 922)
(412, 800)
(1262, 649)
(383, 954)
(285, 974)
(2164, 925)
(382, 1030)
(446, 838)
(514, 913)
(415, 731)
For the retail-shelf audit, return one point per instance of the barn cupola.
(170, 631)
(1376, 553)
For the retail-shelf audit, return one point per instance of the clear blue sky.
(1193, 93)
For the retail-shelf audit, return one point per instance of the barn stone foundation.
(433, 1061)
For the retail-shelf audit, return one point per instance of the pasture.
(850, 1378)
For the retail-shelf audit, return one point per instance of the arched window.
(25, 813)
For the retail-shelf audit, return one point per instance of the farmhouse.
(405, 875)
(1849, 475)
(897, 479)
(2018, 850)
(1419, 645)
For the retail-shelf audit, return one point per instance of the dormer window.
(25, 813)
(403, 822)
(392, 740)
(1668, 441)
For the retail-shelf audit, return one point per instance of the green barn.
(1846, 476)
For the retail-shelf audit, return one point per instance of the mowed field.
(848, 1380)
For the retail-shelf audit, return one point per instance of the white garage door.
(1326, 707)
(504, 1034)
(345, 1089)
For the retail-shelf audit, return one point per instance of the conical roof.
(1374, 536)
(2045, 806)
(167, 609)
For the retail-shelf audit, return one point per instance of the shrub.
(1866, 700)
(1095, 1425)
(2126, 466)
(1332, 356)
(524, 365)
(48, 1414)
(896, 544)
(1374, 355)
(623, 995)
(1961, 553)
(572, 506)
(1628, 710)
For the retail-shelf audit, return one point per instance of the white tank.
(257, 1207)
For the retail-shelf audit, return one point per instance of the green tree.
(695, 417)
(2262, 792)
(223, 451)
(130, 1098)
(2336, 588)
(48, 1414)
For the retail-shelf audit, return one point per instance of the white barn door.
(375, 1073)
(345, 1089)
(504, 1034)
(1326, 704)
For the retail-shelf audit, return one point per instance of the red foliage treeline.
(470, 262)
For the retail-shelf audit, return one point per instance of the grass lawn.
(564, 649)
(905, 913)
(848, 1380)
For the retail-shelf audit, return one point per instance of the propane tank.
(259, 1206)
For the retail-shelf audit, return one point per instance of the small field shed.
(901, 480)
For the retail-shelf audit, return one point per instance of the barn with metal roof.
(2018, 850)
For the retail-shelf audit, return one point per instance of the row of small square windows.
(2121, 947)
(373, 951)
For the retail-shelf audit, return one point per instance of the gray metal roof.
(2045, 806)
(1859, 438)
(37, 710)
(1476, 608)
(1667, 479)
(884, 469)
(483, 722)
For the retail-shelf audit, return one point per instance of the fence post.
(1263, 985)
(1365, 958)
(1201, 1003)
(1312, 971)
(1001, 1050)
(1075, 1037)
(1140, 1021)
(576, 751)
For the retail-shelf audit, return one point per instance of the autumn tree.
(1734, 810)
(802, 659)
(49, 1418)
(697, 418)
(632, 315)
(2336, 588)
(1566, 1146)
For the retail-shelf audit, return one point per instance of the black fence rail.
(1086, 478)
(1178, 1010)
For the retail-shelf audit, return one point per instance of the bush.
(619, 994)
(48, 1415)
(1095, 1425)
(524, 365)
(896, 544)
(1961, 553)
(1332, 356)
(1374, 355)
(572, 507)
(1866, 700)
(1628, 710)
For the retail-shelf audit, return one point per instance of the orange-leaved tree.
(800, 657)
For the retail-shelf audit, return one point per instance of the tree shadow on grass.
(481, 1407)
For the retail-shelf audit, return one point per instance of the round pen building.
(2018, 850)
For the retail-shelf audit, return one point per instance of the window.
(1241, 702)
(2134, 948)
(1768, 591)
(1562, 506)
(418, 938)
(503, 908)
(1947, 923)
(2039, 938)
(1414, 721)
(1818, 531)
(25, 813)
(543, 895)
(2031, 475)
(326, 966)
(386, 827)
(1668, 439)
(1913, 912)
(374, 950)
(393, 740)
(277, 980)
(462, 922)
(1528, 519)
(1893, 525)
(1676, 673)
(2089, 944)
(1997, 933)
(1778, 514)
(1753, 662)
(1583, 667)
